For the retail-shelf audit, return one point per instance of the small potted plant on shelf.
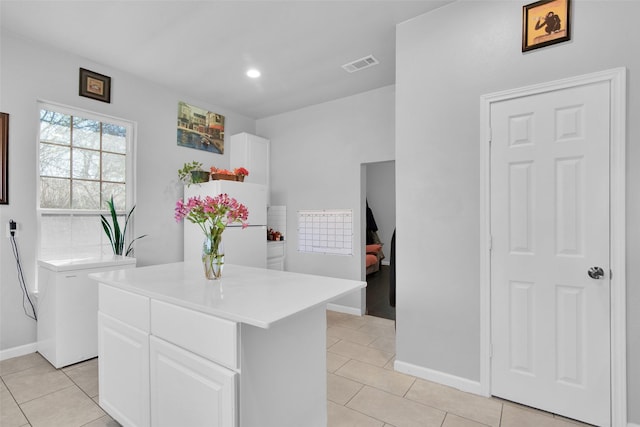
(217, 173)
(240, 173)
(192, 173)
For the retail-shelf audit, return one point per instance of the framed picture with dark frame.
(545, 22)
(4, 159)
(95, 85)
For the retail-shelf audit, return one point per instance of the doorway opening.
(379, 209)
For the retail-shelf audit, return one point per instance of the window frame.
(130, 173)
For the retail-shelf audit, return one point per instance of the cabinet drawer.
(275, 250)
(130, 308)
(208, 336)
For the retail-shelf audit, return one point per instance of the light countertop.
(253, 296)
(85, 262)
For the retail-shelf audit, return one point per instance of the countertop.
(85, 262)
(253, 296)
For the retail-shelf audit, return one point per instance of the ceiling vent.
(361, 64)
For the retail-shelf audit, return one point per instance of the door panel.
(549, 225)
(123, 375)
(188, 390)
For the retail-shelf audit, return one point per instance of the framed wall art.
(545, 22)
(94, 85)
(4, 159)
(200, 129)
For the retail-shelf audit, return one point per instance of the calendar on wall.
(326, 231)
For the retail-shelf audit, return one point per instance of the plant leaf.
(117, 235)
(130, 247)
(107, 229)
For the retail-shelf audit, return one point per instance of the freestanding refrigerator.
(241, 246)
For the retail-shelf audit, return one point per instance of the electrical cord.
(23, 286)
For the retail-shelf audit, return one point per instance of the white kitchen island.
(248, 350)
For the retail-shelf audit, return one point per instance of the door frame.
(617, 186)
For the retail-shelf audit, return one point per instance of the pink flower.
(212, 214)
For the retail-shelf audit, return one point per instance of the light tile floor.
(362, 389)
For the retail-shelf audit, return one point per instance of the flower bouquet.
(212, 214)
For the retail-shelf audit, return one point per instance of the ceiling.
(202, 49)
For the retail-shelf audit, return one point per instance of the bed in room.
(373, 257)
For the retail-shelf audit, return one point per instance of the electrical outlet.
(12, 226)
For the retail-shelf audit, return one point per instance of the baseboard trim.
(344, 309)
(18, 351)
(438, 377)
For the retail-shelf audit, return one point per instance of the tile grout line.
(360, 412)
(85, 393)
(362, 386)
(403, 396)
(16, 402)
(44, 395)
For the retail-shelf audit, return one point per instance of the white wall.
(381, 194)
(30, 72)
(316, 157)
(446, 60)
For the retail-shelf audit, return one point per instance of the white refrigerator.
(241, 246)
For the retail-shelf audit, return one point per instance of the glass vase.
(213, 256)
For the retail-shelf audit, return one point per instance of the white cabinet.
(276, 249)
(123, 363)
(123, 371)
(68, 306)
(164, 365)
(248, 350)
(189, 390)
(276, 255)
(253, 153)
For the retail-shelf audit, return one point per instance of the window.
(84, 160)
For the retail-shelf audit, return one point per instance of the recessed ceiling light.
(253, 73)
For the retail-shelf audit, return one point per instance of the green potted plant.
(115, 235)
(192, 173)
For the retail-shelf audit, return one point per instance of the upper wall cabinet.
(251, 152)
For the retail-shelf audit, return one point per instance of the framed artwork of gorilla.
(545, 22)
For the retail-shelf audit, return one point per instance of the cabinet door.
(258, 158)
(251, 152)
(188, 390)
(123, 371)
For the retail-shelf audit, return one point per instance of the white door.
(550, 226)
(188, 390)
